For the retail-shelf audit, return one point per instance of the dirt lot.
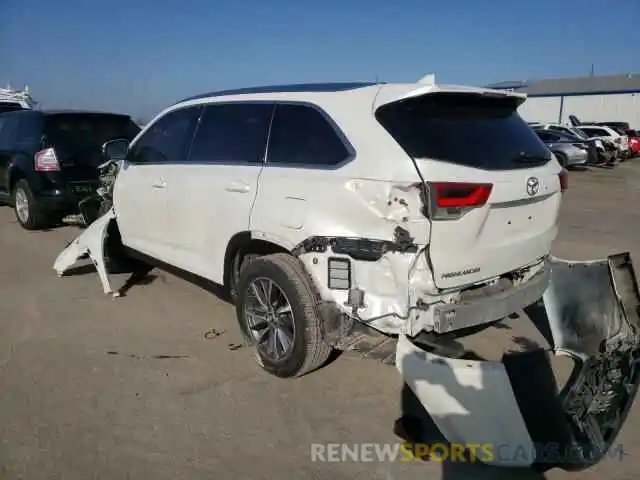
(94, 387)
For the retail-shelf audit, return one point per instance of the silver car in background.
(566, 148)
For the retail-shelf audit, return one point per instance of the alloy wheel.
(269, 318)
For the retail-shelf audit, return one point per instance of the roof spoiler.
(393, 93)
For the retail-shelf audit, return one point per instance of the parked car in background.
(568, 150)
(603, 131)
(620, 127)
(599, 153)
(634, 142)
(49, 160)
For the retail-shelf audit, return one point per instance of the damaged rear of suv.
(410, 223)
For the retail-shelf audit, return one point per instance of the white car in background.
(604, 132)
(353, 217)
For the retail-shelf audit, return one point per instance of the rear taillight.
(46, 161)
(451, 200)
(563, 176)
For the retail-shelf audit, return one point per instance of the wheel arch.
(246, 242)
(14, 175)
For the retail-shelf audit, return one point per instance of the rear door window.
(463, 129)
(302, 135)
(232, 134)
(168, 139)
(29, 131)
(8, 132)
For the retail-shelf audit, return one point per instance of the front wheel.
(276, 310)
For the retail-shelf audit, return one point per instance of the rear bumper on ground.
(513, 406)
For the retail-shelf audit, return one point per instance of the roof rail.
(290, 88)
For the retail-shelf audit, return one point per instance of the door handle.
(159, 184)
(238, 187)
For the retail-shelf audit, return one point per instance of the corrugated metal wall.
(541, 109)
(597, 108)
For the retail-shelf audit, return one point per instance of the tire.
(25, 207)
(239, 262)
(308, 350)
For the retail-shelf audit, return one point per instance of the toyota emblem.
(533, 185)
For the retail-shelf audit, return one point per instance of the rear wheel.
(26, 207)
(276, 310)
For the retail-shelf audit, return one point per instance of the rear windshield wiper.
(528, 157)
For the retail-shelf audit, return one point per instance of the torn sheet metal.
(90, 242)
(590, 313)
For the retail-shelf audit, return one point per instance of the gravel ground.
(97, 388)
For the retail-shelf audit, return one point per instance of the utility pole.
(592, 70)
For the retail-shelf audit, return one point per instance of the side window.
(29, 132)
(168, 139)
(8, 132)
(301, 135)
(545, 136)
(597, 132)
(232, 133)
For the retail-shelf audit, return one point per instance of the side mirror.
(115, 149)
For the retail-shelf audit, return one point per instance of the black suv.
(49, 160)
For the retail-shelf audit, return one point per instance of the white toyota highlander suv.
(338, 213)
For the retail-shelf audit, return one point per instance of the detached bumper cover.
(90, 242)
(590, 313)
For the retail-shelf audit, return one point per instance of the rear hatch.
(493, 187)
(77, 138)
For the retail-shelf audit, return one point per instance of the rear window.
(75, 131)
(470, 130)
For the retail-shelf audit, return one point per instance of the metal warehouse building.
(614, 98)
